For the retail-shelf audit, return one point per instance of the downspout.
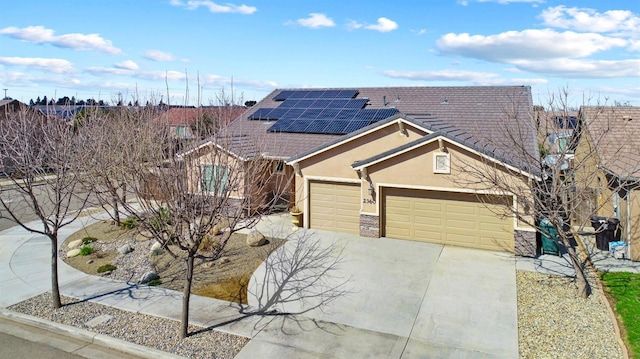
(629, 217)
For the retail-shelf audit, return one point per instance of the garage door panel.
(334, 206)
(447, 218)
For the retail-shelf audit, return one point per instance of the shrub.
(87, 240)
(155, 282)
(129, 223)
(161, 219)
(208, 244)
(106, 268)
(86, 250)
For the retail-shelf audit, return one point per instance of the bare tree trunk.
(584, 288)
(186, 294)
(55, 289)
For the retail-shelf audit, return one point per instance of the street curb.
(88, 336)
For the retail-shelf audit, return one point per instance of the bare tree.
(556, 197)
(183, 196)
(106, 137)
(40, 158)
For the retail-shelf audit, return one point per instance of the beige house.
(402, 179)
(390, 162)
(609, 150)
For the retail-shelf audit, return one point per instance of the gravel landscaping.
(552, 321)
(153, 332)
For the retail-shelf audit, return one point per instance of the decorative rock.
(90, 261)
(73, 253)
(75, 244)
(148, 277)
(215, 230)
(255, 239)
(208, 265)
(125, 249)
(224, 260)
(156, 249)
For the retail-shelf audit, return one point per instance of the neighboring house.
(390, 161)
(206, 119)
(610, 149)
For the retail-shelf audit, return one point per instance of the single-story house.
(390, 161)
(608, 152)
(184, 120)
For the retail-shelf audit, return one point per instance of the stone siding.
(369, 226)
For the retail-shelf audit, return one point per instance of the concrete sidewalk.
(407, 299)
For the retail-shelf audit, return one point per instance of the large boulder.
(73, 253)
(156, 249)
(148, 277)
(125, 249)
(255, 239)
(75, 244)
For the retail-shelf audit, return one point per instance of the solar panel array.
(334, 112)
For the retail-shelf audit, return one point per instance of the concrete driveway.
(405, 300)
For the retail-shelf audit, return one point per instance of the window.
(215, 178)
(181, 131)
(278, 167)
(441, 162)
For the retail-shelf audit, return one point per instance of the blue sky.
(103, 49)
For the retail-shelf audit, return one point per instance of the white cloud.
(109, 71)
(383, 25)
(215, 82)
(440, 75)
(51, 65)
(503, 2)
(126, 65)
(474, 77)
(584, 19)
(316, 20)
(214, 7)
(157, 55)
(574, 68)
(41, 35)
(527, 44)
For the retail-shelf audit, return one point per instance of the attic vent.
(444, 101)
(627, 118)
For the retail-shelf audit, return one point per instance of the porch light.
(371, 190)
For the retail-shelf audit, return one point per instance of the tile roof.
(490, 116)
(185, 116)
(615, 133)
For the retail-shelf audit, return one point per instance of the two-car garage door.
(449, 218)
(461, 219)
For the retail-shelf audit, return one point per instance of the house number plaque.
(369, 201)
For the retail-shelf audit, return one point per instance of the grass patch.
(86, 250)
(232, 289)
(624, 289)
(155, 282)
(106, 268)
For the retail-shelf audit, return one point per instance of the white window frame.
(446, 167)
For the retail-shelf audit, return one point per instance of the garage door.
(334, 206)
(448, 218)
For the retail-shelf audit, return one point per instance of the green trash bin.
(549, 238)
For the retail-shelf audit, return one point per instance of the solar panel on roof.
(281, 125)
(348, 93)
(283, 95)
(336, 127)
(356, 103)
(317, 126)
(346, 114)
(355, 125)
(299, 125)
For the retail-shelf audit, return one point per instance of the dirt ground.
(224, 278)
